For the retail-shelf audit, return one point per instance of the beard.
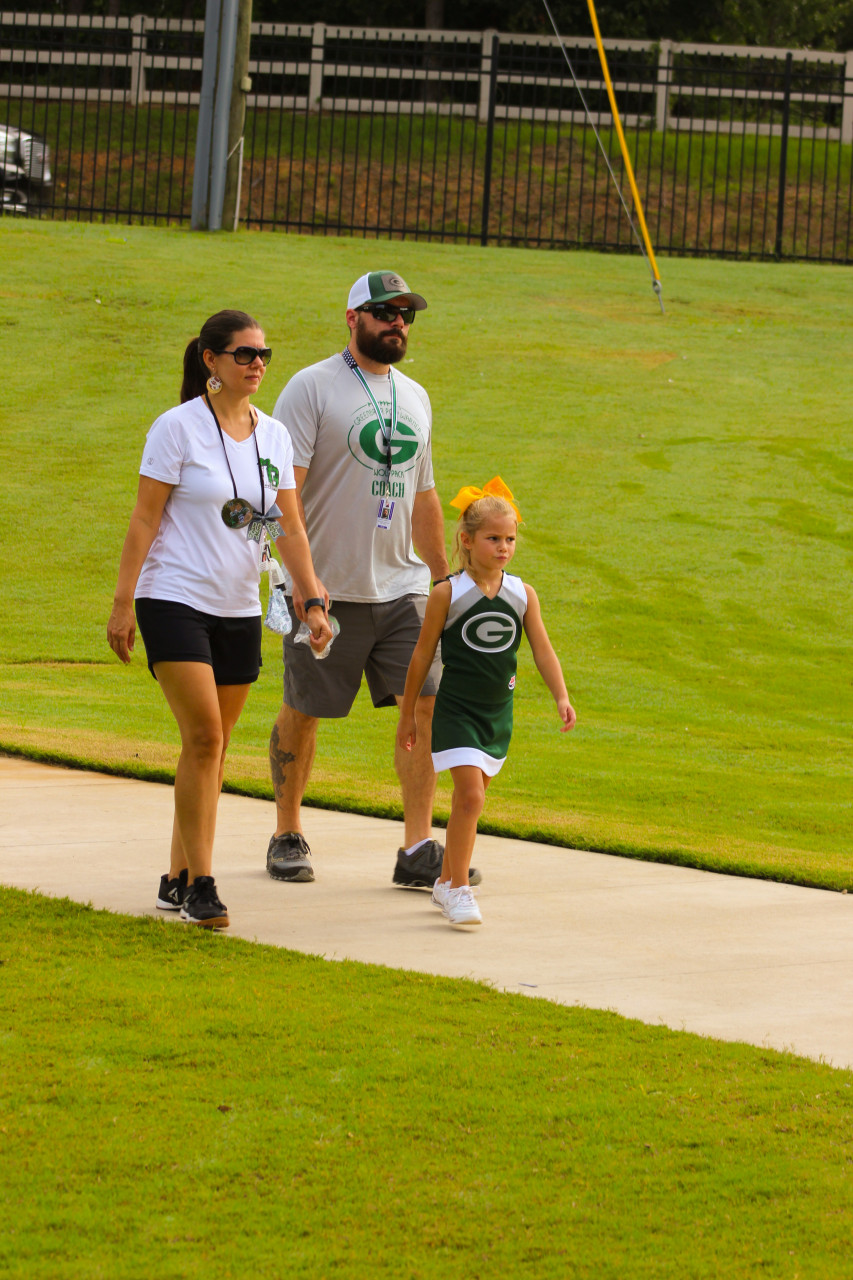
(378, 346)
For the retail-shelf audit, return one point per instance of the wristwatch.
(315, 602)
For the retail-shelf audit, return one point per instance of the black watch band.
(446, 578)
(317, 601)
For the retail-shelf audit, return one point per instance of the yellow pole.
(638, 204)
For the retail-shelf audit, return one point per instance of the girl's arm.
(296, 556)
(144, 523)
(547, 662)
(421, 661)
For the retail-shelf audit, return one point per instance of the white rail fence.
(141, 61)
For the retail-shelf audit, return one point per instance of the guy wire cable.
(643, 240)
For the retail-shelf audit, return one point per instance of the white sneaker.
(440, 891)
(461, 907)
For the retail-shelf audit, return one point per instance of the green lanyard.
(387, 436)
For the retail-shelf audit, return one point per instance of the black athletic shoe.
(420, 870)
(289, 858)
(171, 895)
(202, 905)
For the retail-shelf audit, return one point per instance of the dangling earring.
(214, 384)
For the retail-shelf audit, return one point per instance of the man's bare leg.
(293, 744)
(417, 776)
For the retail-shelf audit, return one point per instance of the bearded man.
(362, 433)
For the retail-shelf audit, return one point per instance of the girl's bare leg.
(469, 793)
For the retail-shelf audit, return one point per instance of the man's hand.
(321, 632)
(299, 601)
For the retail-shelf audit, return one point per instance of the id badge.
(384, 513)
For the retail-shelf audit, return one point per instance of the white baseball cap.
(381, 286)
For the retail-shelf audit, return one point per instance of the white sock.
(416, 846)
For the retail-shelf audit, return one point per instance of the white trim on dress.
(466, 755)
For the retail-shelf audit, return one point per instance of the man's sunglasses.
(245, 355)
(387, 314)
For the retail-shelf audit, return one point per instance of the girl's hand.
(406, 732)
(567, 714)
(121, 631)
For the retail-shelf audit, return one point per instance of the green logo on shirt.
(489, 632)
(272, 471)
(404, 446)
(367, 445)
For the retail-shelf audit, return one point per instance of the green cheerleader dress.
(472, 723)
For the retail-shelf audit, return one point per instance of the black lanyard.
(258, 510)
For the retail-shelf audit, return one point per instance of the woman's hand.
(121, 631)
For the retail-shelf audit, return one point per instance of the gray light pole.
(237, 119)
(217, 78)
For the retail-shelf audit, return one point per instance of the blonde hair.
(473, 518)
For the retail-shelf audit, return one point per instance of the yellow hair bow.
(495, 488)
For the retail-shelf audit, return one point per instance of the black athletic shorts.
(174, 632)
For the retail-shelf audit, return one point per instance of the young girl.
(478, 616)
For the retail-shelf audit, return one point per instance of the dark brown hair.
(216, 334)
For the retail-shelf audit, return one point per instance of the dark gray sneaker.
(420, 870)
(289, 858)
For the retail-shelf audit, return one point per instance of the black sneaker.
(172, 892)
(202, 905)
(289, 858)
(420, 870)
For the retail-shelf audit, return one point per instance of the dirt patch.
(539, 200)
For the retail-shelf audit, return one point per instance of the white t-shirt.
(337, 437)
(195, 558)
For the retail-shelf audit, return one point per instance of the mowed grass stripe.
(685, 483)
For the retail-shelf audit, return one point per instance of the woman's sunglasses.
(245, 355)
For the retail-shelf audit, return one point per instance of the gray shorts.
(376, 640)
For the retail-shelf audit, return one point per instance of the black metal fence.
(453, 136)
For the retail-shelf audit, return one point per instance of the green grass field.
(685, 482)
(174, 1105)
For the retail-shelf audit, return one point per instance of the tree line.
(798, 24)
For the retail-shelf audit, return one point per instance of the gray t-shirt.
(336, 435)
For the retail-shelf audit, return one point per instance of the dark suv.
(24, 171)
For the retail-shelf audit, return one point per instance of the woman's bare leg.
(205, 714)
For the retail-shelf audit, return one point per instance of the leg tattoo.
(279, 759)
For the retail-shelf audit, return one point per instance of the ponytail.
(216, 334)
(195, 372)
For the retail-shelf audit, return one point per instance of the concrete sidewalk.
(738, 959)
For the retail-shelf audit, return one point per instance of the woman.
(216, 479)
